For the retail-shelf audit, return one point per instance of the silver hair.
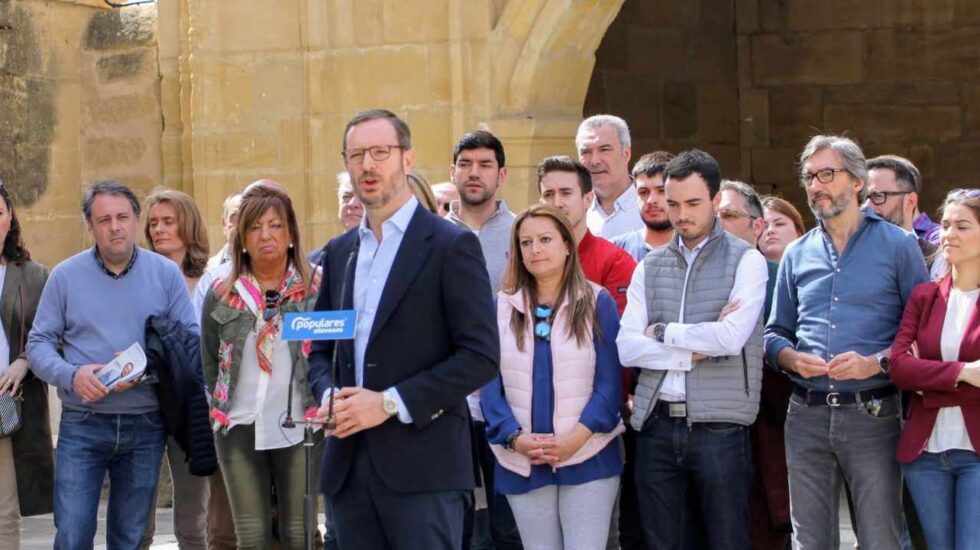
(231, 203)
(343, 181)
(752, 201)
(849, 152)
(595, 121)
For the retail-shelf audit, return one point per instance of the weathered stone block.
(924, 158)
(712, 58)
(405, 73)
(402, 24)
(753, 113)
(109, 113)
(918, 92)
(110, 152)
(240, 150)
(112, 29)
(795, 114)
(746, 16)
(958, 159)
(834, 14)
(248, 26)
(971, 109)
(664, 53)
(893, 124)
(912, 13)
(717, 16)
(832, 57)
(967, 13)
(897, 53)
(121, 66)
(775, 165)
(637, 98)
(680, 110)
(717, 113)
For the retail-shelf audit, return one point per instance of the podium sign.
(319, 325)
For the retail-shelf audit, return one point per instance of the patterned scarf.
(291, 288)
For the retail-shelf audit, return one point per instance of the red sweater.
(610, 266)
(922, 323)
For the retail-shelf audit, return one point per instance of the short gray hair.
(752, 201)
(108, 187)
(849, 152)
(595, 121)
(343, 180)
(232, 202)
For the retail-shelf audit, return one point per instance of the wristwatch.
(389, 403)
(882, 362)
(512, 440)
(659, 331)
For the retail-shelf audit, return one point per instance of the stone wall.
(899, 76)
(79, 98)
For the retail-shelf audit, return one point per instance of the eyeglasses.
(271, 304)
(378, 153)
(879, 197)
(823, 176)
(542, 329)
(730, 214)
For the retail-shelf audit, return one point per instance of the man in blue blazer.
(398, 465)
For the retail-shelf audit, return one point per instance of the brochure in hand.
(128, 365)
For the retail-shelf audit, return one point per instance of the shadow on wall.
(27, 105)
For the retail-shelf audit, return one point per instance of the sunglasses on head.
(271, 304)
(542, 329)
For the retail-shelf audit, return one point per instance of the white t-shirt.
(950, 430)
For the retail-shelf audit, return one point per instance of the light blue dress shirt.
(374, 261)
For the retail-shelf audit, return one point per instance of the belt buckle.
(677, 410)
(833, 399)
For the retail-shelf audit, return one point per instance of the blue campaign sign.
(319, 325)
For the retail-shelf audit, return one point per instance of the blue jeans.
(712, 458)
(945, 489)
(127, 446)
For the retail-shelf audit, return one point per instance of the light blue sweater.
(91, 316)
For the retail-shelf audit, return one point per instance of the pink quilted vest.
(573, 372)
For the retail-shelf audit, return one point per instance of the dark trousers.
(493, 527)
(714, 460)
(630, 528)
(370, 515)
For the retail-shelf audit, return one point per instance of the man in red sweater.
(567, 185)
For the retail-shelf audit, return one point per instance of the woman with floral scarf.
(252, 374)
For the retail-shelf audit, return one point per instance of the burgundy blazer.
(922, 323)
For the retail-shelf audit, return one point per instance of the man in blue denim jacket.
(840, 292)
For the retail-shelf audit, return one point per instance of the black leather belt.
(836, 399)
(666, 409)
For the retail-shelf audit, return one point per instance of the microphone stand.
(309, 499)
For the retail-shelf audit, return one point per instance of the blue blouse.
(600, 415)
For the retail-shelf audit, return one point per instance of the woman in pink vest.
(936, 356)
(553, 413)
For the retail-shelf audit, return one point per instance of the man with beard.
(894, 184)
(477, 172)
(840, 293)
(693, 325)
(397, 464)
(648, 175)
(603, 145)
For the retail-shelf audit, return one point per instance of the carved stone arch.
(547, 73)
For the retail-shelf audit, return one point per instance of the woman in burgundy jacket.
(935, 356)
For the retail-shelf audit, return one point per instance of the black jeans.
(712, 459)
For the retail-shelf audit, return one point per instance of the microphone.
(288, 422)
(330, 423)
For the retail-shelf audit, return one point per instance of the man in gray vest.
(478, 171)
(693, 326)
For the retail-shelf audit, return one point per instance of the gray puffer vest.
(720, 389)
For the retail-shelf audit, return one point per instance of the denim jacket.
(225, 327)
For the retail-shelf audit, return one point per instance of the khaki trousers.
(9, 506)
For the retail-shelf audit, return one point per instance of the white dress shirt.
(949, 432)
(712, 339)
(624, 218)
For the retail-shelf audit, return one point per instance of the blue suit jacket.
(434, 338)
